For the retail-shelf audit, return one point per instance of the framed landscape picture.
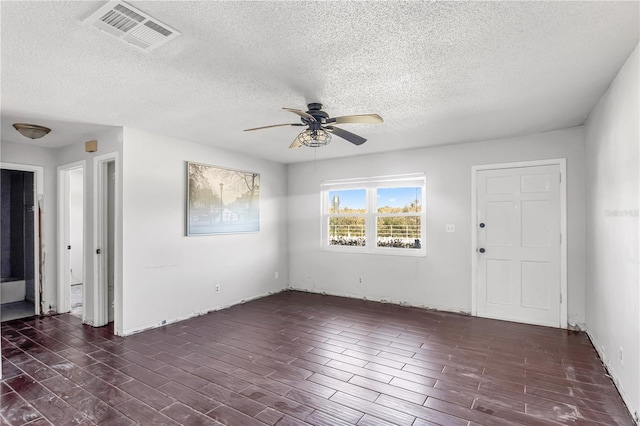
(221, 201)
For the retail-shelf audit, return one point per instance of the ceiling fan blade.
(301, 113)
(351, 137)
(275, 125)
(362, 118)
(296, 143)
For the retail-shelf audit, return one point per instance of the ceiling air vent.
(131, 25)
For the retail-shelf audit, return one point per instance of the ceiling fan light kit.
(320, 126)
(314, 138)
(31, 131)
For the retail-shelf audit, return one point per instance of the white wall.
(442, 279)
(612, 176)
(168, 276)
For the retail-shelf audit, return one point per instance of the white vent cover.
(131, 25)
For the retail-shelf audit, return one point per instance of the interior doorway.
(106, 223)
(71, 239)
(20, 289)
(519, 240)
(110, 237)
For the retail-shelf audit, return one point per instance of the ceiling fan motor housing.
(315, 109)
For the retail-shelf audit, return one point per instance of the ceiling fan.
(320, 126)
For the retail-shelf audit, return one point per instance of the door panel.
(498, 278)
(499, 185)
(535, 227)
(533, 294)
(519, 272)
(499, 212)
(534, 183)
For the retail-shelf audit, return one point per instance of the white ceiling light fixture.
(131, 25)
(31, 131)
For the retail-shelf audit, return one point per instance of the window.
(399, 217)
(347, 217)
(383, 215)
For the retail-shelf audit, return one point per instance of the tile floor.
(295, 359)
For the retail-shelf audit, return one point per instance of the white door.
(110, 231)
(105, 223)
(518, 237)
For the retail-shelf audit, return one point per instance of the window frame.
(370, 185)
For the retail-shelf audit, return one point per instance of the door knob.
(481, 250)
(482, 225)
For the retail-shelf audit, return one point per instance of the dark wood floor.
(297, 358)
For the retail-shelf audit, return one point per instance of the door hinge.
(560, 178)
(560, 238)
(560, 297)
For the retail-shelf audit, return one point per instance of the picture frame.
(221, 200)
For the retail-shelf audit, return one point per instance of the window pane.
(399, 232)
(399, 200)
(348, 201)
(347, 231)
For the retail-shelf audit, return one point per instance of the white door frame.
(562, 163)
(38, 180)
(63, 233)
(100, 241)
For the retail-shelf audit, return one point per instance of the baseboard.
(614, 379)
(576, 327)
(162, 323)
(388, 301)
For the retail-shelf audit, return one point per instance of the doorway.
(71, 239)
(110, 237)
(519, 242)
(106, 254)
(19, 224)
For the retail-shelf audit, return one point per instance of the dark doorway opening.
(17, 228)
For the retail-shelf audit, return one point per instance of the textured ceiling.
(437, 72)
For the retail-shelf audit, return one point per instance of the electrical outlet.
(217, 288)
(360, 280)
(450, 227)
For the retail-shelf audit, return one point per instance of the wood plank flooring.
(295, 359)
